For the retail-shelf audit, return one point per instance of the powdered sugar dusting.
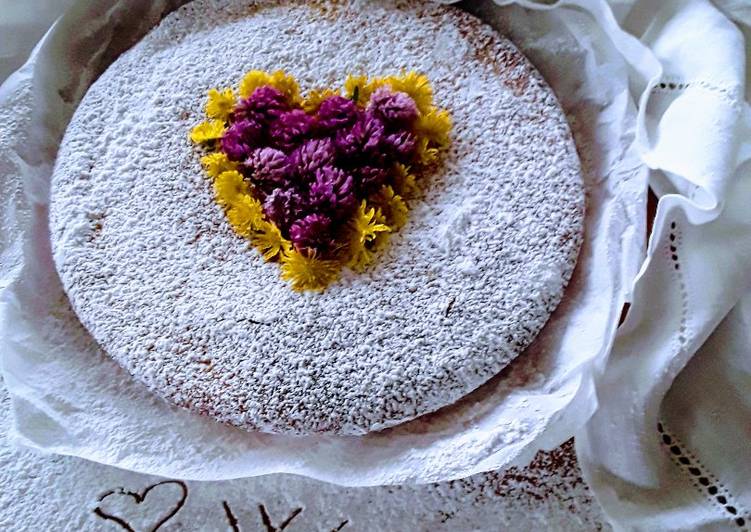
(61, 493)
(165, 286)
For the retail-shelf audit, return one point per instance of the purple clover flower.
(370, 178)
(268, 166)
(333, 192)
(312, 155)
(283, 206)
(396, 109)
(401, 145)
(264, 105)
(240, 139)
(362, 140)
(290, 129)
(312, 232)
(336, 112)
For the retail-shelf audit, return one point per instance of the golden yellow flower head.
(362, 86)
(269, 241)
(228, 186)
(252, 80)
(216, 163)
(393, 206)
(245, 215)
(207, 131)
(220, 104)
(405, 181)
(368, 222)
(366, 226)
(315, 98)
(287, 85)
(435, 125)
(307, 272)
(417, 86)
(426, 154)
(355, 85)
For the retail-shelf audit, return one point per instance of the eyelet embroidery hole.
(704, 481)
(673, 254)
(729, 94)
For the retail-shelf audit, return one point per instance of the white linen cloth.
(669, 447)
(663, 81)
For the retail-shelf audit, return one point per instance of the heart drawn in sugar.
(133, 512)
(319, 182)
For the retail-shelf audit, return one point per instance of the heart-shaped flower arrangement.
(319, 182)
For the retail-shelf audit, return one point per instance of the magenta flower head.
(362, 139)
(333, 192)
(312, 155)
(283, 206)
(240, 139)
(336, 112)
(396, 109)
(290, 129)
(312, 232)
(264, 105)
(370, 179)
(400, 145)
(268, 166)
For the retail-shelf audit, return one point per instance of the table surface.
(49, 492)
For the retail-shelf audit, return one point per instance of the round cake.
(161, 280)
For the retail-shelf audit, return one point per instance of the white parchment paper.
(70, 398)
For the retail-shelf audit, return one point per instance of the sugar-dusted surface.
(164, 285)
(39, 492)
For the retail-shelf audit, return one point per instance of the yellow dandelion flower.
(362, 87)
(245, 215)
(405, 181)
(228, 186)
(307, 272)
(366, 226)
(252, 80)
(220, 104)
(393, 206)
(417, 86)
(269, 240)
(426, 154)
(207, 131)
(360, 257)
(315, 97)
(216, 163)
(435, 125)
(354, 88)
(287, 85)
(367, 223)
(380, 241)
